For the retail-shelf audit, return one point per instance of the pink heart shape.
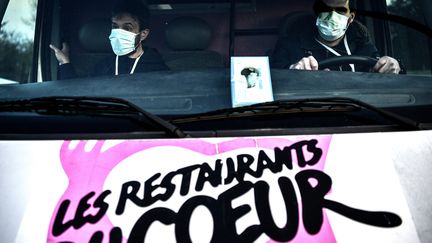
(87, 172)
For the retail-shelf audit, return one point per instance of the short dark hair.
(319, 5)
(136, 8)
(353, 5)
(248, 70)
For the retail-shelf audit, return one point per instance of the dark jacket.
(292, 48)
(151, 60)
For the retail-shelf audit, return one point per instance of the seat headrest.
(93, 35)
(297, 22)
(188, 34)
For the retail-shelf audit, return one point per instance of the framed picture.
(250, 81)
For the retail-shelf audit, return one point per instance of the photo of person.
(253, 77)
(250, 81)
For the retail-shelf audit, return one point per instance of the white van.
(168, 143)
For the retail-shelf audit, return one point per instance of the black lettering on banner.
(149, 188)
(97, 237)
(313, 198)
(102, 205)
(311, 147)
(163, 215)
(244, 162)
(313, 204)
(79, 219)
(262, 202)
(264, 162)
(133, 187)
(115, 236)
(130, 189)
(231, 172)
(186, 179)
(83, 206)
(183, 218)
(59, 227)
(167, 184)
(224, 215)
(230, 215)
(207, 174)
(284, 156)
(130, 192)
(317, 152)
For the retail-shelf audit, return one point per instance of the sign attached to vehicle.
(340, 188)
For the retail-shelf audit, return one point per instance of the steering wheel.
(344, 60)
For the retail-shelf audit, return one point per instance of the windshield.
(215, 121)
(182, 58)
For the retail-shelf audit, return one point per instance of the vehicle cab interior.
(187, 34)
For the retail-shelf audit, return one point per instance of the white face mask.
(252, 80)
(122, 41)
(332, 25)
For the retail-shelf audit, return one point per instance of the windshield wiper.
(300, 106)
(91, 106)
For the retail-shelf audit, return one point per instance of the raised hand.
(61, 55)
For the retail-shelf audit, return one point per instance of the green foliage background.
(16, 56)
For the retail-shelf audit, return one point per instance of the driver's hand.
(306, 63)
(61, 55)
(387, 64)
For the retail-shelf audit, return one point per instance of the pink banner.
(81, 213)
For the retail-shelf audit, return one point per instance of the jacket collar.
(308, 41)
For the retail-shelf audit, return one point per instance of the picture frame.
(250, 81)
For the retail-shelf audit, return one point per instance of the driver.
(129, 31)
(336, 34)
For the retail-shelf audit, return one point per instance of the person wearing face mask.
(336, 34)
(128, 33)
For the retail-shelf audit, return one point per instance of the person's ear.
(144, 34)
(351, 18)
